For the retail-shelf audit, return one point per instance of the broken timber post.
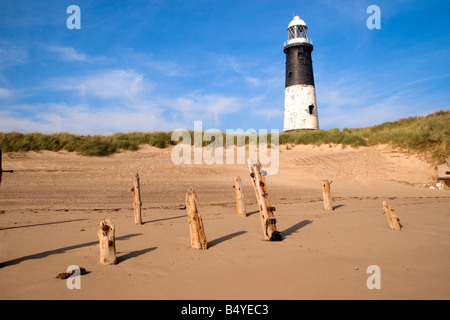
(239, 195)
(137, 200)
(268, 220)
(391, 216)
(1, 169)
(106, 237)
(327, 203)
(197, 231)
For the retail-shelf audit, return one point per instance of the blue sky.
(161, 65)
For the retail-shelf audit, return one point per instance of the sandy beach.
(51, 207)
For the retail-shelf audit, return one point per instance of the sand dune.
(50, 209)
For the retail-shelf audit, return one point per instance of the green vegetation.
(429, 134)
(85, 145)
(319, 137)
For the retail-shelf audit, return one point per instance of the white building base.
(300, 108)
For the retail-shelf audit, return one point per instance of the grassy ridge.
(96, 145)
(429, 134)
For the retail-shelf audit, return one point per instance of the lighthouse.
(300, 106)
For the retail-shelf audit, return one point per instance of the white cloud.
(82, 119)
(196, 106)
(148, 62)
(361, 111)
(253, 81)
(5, 93)
(354, 101)
(269, 113)
(11, 55)
(69, 54)
(109, 84)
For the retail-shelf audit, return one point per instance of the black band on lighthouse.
(299, 64)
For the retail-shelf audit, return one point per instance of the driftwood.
(106, 237)
(137, 203)
(268, 220)
(239, 195)
(197, 231)
(393, 221)
(65, 275)
(327, 203)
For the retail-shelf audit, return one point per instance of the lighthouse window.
(292, 33)
(302, 33)
(311, 109)
(290, 75)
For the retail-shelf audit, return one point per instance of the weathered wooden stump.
(393, 221)
(106, 237)
(239, 195)
(268, 220)
(1, 168)
(327, 202)
(137, 203)
(197, 231)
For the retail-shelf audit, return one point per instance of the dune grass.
(428, 134)
(96, 145)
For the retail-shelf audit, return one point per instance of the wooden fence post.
(106, 237)
(137, 200)
(239, 195)
(391, 216)
(268, 220)
(327, 203)
(1, 169)
(197, 231)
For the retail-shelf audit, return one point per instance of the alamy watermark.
(374, 281)
(74, 281)
(74, 20)
(374, 21)
(213, 153)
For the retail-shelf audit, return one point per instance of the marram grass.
(427, 134)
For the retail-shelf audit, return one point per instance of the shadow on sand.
(41, 224)
(295, 228)
(64, 249)
(225, 238)
(134, 254)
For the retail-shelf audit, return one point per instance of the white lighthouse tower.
(300, 106)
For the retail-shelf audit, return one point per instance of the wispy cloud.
(82, 119)
(11, 55)
(148, 62)
(105, 84)
(197, 106)
(5, 93)
(69, 54)
(350, 107)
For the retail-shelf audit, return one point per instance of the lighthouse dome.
(297, 22)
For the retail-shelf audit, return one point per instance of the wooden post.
(268, 220)
(1, 168)
(391, 216)
(137, 200)
(239, 195)
(106, 237)
(197, 231)
(327, 203)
